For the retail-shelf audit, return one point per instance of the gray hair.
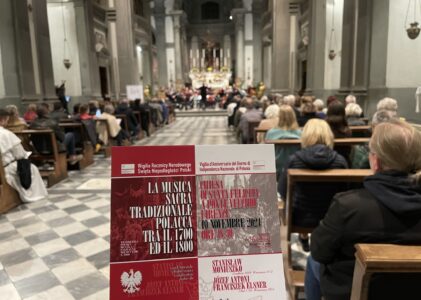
(319, 104)
(350, 99)
(272, 111)
(382, 116)
(289, 100)
(109, 109)
(353, 110)
(389, 104)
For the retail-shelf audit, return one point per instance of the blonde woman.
(287, 128)
(311, 200)
(15, 123)
(387, 210)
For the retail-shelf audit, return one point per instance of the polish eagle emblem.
(131, 281)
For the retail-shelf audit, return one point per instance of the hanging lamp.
(414, 29)
(66, 60)
(332, 40)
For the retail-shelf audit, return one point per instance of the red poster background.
(159, 280)
(128, 192)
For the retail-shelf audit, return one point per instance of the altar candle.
(197, 53)
(191, 53)
(228, 53)
(203, 53)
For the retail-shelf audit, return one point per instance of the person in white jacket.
(11, 151)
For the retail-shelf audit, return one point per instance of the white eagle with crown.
(131, 281)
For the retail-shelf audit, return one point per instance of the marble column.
(227, 51)
(89, 68)
(10, 85)
(147, 66)
(257, 42)
(355, 46)
(317, 48)
(159, 14)
(195, 50)
(280, 46)
(33, 50)
(112, 40)
(238, 15)
(127, 74)
(179, 70)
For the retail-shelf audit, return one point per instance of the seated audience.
(93, 106)
(30, 187)
(353, 114)
(66, 141)
(389, 104)
(144, 110)
(250, 115)
(320, 105)
(360, 153)
(308, 111)
(15, 123)
(30, 113)
(287, 129)
(290, 100)
(386, 210)
(339, 126)
(311, 200)
(113, 125)
(350, 99)
(58, 112)
(123, 108)
(271, 120)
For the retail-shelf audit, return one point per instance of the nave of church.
(58, 248)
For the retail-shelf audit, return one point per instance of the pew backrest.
(382, 258)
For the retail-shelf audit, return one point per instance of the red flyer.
(195, 222)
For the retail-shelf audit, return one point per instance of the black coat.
(387, 210)
(311, 200)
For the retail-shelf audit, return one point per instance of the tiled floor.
(58, 248)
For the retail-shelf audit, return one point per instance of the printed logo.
(127, 169)
(259, 164)
(131, 281)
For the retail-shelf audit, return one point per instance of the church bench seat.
(373, 259)
(295, 278)
(54, 156)
(9, 198)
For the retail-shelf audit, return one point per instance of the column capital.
(238, 16)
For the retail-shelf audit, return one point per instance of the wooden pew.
(338, 142)
(106, 148)
(87, 148)
(59, 171)
(295, 278)
(382, 258)
(9, 198)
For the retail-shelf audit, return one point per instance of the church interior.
(80, 77)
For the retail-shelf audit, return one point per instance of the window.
(210, 11)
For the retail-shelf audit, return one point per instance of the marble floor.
(58, 248)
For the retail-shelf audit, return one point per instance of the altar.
(215, 79)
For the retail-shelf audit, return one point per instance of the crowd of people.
(101, 121)
(386, 208)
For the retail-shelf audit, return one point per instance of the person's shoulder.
(356, 198)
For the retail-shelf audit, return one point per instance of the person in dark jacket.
(123, 108)
(386, 210)
(58, 112)
(311, 200)
(308, 111)
(337, 121)
(65, 140)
